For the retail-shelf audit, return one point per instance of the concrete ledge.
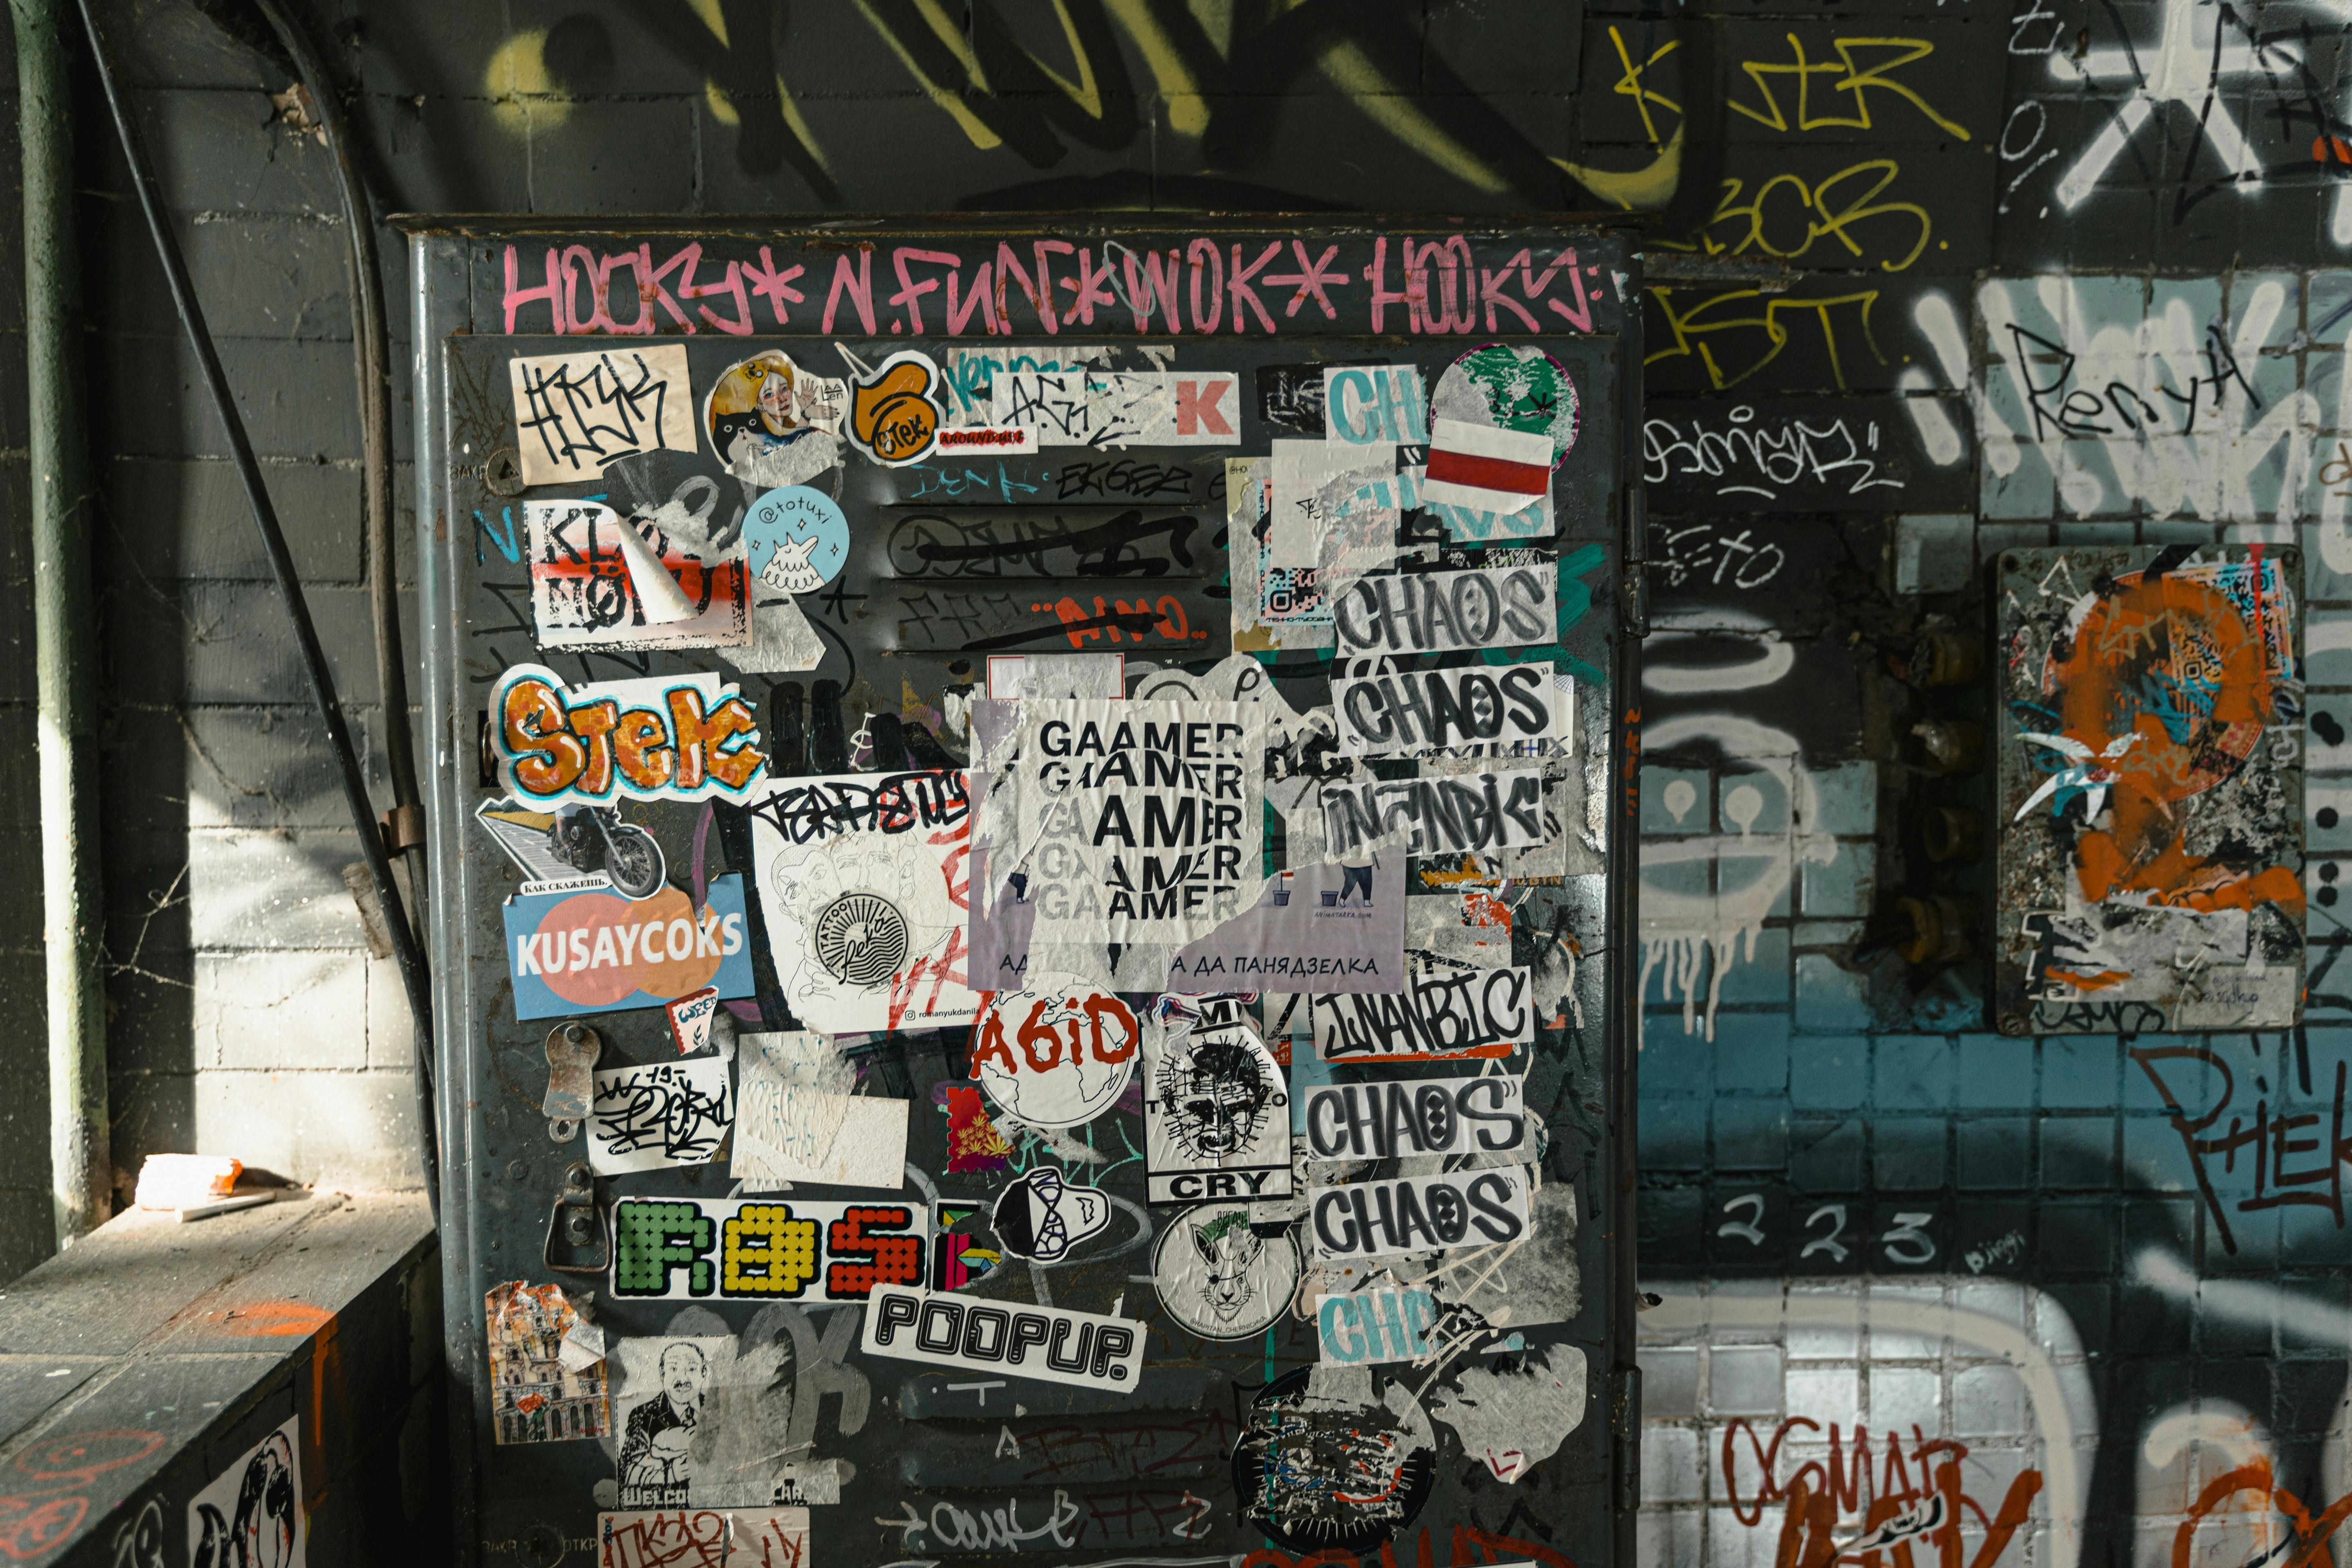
(144, 1362)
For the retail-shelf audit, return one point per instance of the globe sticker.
(798, 539)
(1056, 1061)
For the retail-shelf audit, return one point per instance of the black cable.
(405, 950)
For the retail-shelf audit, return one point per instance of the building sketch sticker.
(797, 538)
(1414, 1116)
(1216, 1107)
(253, 1514)
(1504, 709)
(797, 1121)
(574, 412)
(1087, 1350)
(574, 848)
(2151, 823)
(1447, 612)
(596, 581)
(762, 1249)
(1501, 419)
(681, 737)
(773, 423)
(1448, 1009)
(1420, 1213)
(538, 1394)
(1043, 1217)
(1220, 1279)
(864, 886)
(596, 951)
(1057, 1060)
(1324, 1465)
(896, 409)
(660, 1117)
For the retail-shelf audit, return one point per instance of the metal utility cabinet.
(807, 508)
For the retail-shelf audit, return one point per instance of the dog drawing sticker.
(1219, 1277)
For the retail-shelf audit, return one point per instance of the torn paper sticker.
(1512, 1421)
(539, 1392)
(796, 1119)
(659, 1117)
(762, 1249)
(1324, 1466)
(255, 1511)
(596, 581)
(574, 412)
(595, 951)
(1448, 1009)
(773, 423)
(686, 737)
(1419, 1214)
(1138, 822)
(1009, 1338)
(583, 1347)
(1507, 710)
(1121, 408)
(1058, 1058)
(1216, 1107)
(862, 881)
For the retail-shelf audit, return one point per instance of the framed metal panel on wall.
(1030, 828)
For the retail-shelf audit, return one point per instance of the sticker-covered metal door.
(1025, 832)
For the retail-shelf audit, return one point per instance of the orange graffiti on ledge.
(2171, 690)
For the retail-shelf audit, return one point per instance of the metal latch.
(403, 828)
(572, 1052)
(579, 1221)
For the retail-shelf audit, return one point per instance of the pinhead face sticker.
(798, 539)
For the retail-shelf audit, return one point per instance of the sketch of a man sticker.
(1216, 1096)
(657, 1464)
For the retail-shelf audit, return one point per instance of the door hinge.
(1626, 1436)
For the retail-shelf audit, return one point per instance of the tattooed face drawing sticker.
(1218, 1094)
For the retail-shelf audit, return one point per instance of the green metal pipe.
(73, 907)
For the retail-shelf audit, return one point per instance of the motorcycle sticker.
(574, 848)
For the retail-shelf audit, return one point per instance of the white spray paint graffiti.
(1701, 935)
(2166, 400)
